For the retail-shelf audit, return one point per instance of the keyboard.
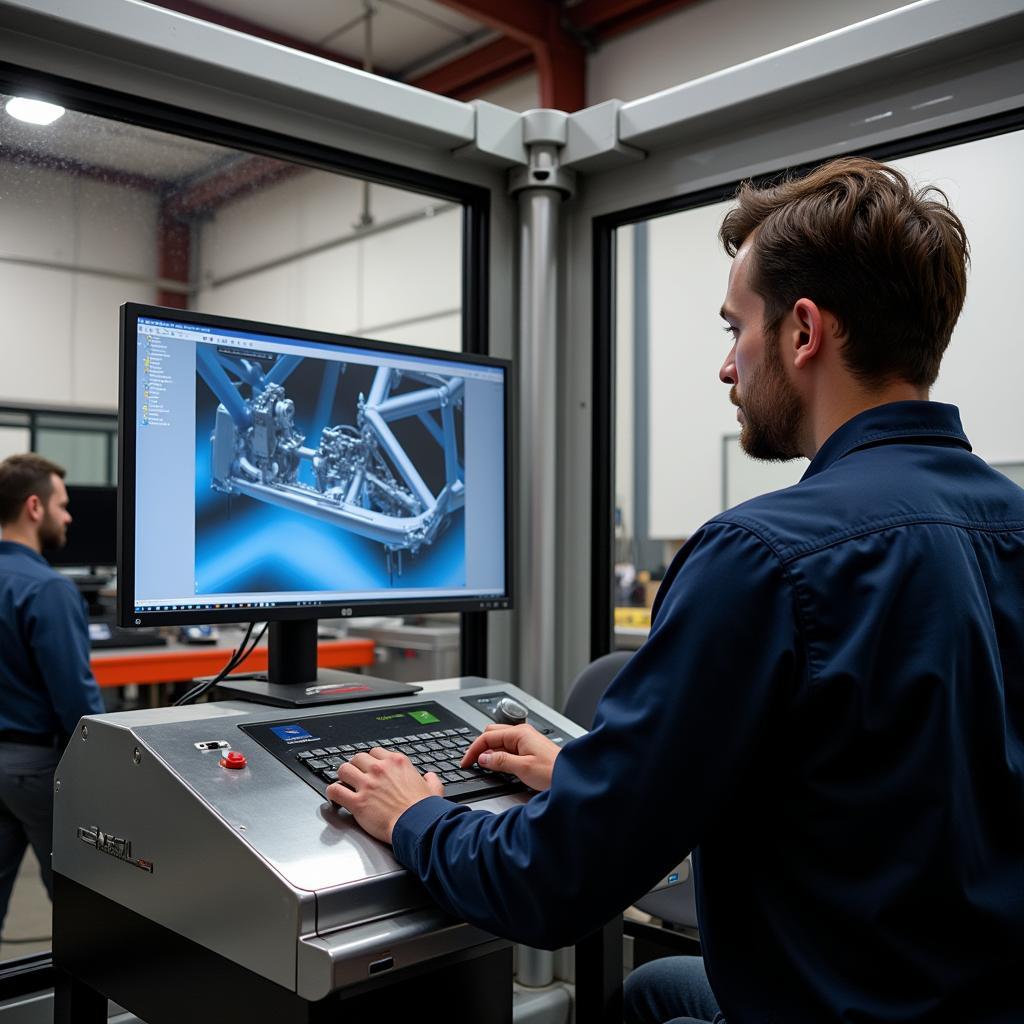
(431, 736)
(439, 751)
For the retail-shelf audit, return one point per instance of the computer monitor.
(273, 473)
(92, 535)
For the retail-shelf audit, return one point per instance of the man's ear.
(35, 508)
(810, 324)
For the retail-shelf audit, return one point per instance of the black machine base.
(329, 687)
(101, 950)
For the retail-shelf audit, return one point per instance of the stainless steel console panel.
(252, 863)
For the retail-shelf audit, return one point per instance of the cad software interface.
(279, 471)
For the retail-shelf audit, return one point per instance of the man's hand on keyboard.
(518, 750)
(378, 786)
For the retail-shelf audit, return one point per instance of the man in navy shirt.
(829, 710)
(45, 681)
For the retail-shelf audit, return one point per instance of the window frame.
(23, 975)
(603, 280)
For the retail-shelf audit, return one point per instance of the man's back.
(871, 865)
(45, 679)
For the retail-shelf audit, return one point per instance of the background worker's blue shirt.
(46, 684)
(831, 707)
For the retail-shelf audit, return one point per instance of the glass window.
(94, 213)
(678, 460)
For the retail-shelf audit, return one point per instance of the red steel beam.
(81, 169)
(466, 76)
(611, 17)
(243, 176)
(537, 24)
(525, 21)
(174, 247)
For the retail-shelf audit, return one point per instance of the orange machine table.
(174, 663)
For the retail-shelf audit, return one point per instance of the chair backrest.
(589, 686)
(675, 905)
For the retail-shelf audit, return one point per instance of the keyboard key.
(329, 776)
(333, 750)
(316, 764)
(346, 748)
(304, 755)
(319, 752)
(450, 777)
(450, 732)
(428, 766)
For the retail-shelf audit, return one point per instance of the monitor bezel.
(126, 450)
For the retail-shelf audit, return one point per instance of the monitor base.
(330, 687)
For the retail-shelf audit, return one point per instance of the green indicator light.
(424, 717)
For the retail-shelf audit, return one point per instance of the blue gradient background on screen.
(248, 546)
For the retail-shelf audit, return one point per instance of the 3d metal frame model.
(257, 452)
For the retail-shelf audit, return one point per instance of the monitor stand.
(293, 679)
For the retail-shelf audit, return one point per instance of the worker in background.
(829, 710)
(45, 681)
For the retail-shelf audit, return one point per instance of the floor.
(28, 916)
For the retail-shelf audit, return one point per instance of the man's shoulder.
(32, 576)
(782, 518)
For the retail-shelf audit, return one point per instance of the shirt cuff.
(409, 828)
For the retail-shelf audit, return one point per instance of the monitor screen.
(268, 472)
(92, 533)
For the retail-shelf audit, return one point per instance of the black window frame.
(603, 228)
(23, 975)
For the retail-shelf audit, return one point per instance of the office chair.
(675, 905)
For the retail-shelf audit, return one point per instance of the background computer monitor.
(273, 473)
(92, 535)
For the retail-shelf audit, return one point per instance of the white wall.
(58, 342)
(402, 284)
(689, 409)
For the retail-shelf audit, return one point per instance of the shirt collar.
(922, 422)
(12, 547)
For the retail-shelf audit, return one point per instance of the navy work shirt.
(830, 712)
(46, 684)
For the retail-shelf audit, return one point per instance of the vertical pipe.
(538, 286)
(537, 425)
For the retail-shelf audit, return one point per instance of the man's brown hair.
(890, 263)
(22, 476)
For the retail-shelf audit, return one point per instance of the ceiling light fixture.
(33, 111)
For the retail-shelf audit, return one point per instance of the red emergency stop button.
(233, 759)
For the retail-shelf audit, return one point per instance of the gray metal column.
(541, 186)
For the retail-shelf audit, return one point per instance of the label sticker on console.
(424, 717)
(113, 846)
(291, 733)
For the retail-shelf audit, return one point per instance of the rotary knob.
(510, 712)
